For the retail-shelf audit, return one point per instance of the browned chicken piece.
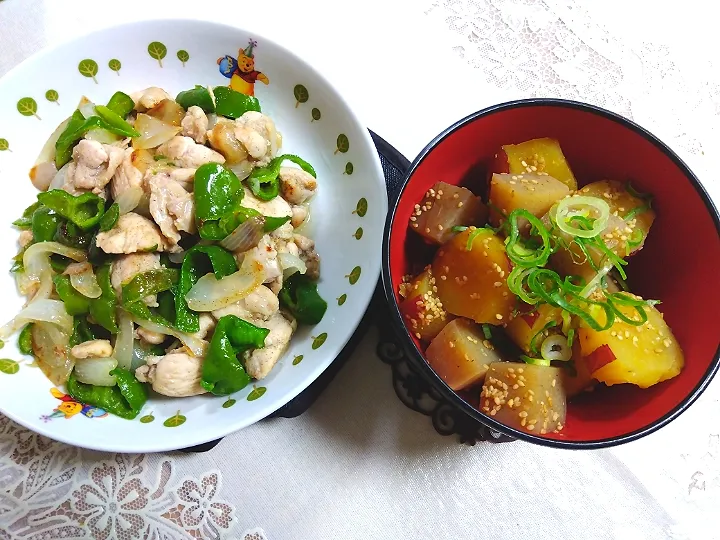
(172, 208)
(93, 166)
(296, 185)
(132, 233)
(195, 124)
(185, 152)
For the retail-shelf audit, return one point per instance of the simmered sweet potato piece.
(422, 309)
(460, 354)
(623, 203)
(471, 273)
(642, 355)
(533, 192)
(168, 111)
(444, 207)
(523, 328)
(524, 396)
(535, 156)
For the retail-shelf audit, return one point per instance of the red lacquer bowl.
(679, 264)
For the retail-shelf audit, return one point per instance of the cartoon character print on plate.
(241, 71)
(69, 408)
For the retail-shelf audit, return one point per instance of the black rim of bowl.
(416, 355)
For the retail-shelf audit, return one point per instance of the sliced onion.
(48, 151)
(51, 350)
(102, 136)
(291, 264)
(176, 257)
(83, 279)
(242, 170)
(153, 132)
(196, 346)
(96, 371)
(555, 347)
(209, 293)
(36, 258)
(59, 181)
(129, 199)
(86, 107)
(42, 175)
(125, 340)
(591, 207)
(42, 310)
(275, 140)
(246, 235)
(212, 120)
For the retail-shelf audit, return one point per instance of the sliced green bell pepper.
(121, 104)
(75, 303)
(232, 104)
(116, 122)
(198, 96)
(45, 224)
(25, 222)
(222, 372)
(81, 331)
(147, 283)
(300, 296)
(264, 182)
(110, 217)
(70, 234)
(102, 309)
(84, 210)
(25, 340)
(124, 400)
(68, 139)
(197, 262)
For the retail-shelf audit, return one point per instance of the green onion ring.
(565, 213)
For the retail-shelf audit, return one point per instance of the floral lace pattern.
(46, 494)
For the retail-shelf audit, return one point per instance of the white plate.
(347, 215)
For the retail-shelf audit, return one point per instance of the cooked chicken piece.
(195, 124)
(126, 267)
(261, 361)
(284, 232)
(172, 208)
(93, 166)
(277, 207)
(95, 348)
(308, 255)
(265, 253)
(260, 304)
(207, 325)
(299, 215)
(126, 176)
(184, 177)
(176, 374)
(25, 238)
(296, 186)
(148, 336)
(131, 233)
(184, 152)
(258, 135)
(149, 98)
(252, 134)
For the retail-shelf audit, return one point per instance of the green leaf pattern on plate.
(315, 113)
(175, 421)
(88, 68)
(158, 51)
(9, 367)
(319, 340)
(361, 208)
(115, 65)
(183, 56)
(256, 393)
(229, 403)
(341, 299)
(297, 359)
(147, 419)
(354, 275)
(349, 168)
(301, 94)
(4, 145)
(52, 96)
(343, 144)
(27, 106)
(359, 233)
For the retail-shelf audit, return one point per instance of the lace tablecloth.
(359, 464)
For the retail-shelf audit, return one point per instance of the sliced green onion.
(594, 282)
(471, 238)
(519, 254)
(486, 331)
(570, 337)
(459, 228)
(581, 206)
(567, 321)
(556, 348)
(533, 342)
(535, 361)
(516, 284)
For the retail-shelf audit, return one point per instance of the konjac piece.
(623, 203)
(641, 355)
(460, 354)
(444, 207)
(524, 396)
(532, 192)
(471, 273)
(523, 328)
(422, 309)
(535, 156)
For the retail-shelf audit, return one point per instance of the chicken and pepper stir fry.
(164, 249)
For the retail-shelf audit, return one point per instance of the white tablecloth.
(359, 464)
